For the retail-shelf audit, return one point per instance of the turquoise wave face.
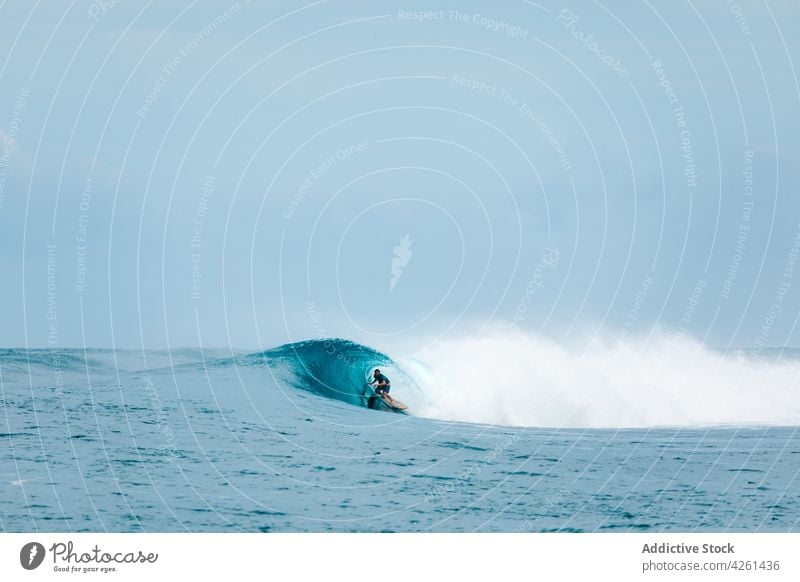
(335, 368)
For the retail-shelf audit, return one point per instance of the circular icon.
(31, 555)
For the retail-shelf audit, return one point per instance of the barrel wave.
(511, 378)
(335, 368)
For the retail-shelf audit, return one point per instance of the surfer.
(382, 384)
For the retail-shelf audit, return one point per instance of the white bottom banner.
(388, 557)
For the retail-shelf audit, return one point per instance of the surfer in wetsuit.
(382, 384)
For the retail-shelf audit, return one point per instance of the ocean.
(282, 440)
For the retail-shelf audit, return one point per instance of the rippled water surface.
(95, 443)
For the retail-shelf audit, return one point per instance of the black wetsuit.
(382, 389)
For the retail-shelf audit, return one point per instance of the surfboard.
(395, 404)
(390, 403)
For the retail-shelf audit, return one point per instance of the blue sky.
(252, 167)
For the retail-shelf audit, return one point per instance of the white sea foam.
(511, 378)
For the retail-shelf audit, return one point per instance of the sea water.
(282, 440)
